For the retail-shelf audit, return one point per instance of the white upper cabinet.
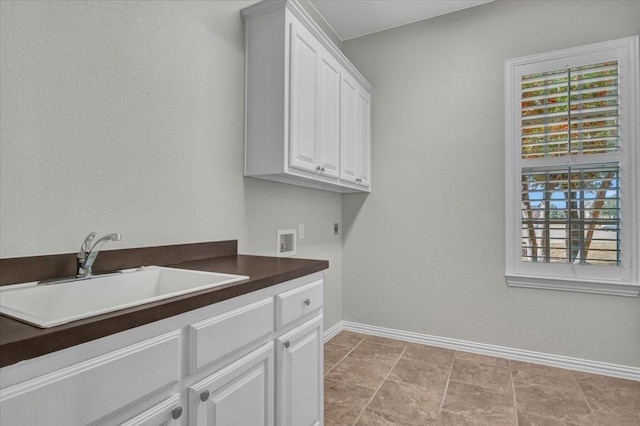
(295, 123)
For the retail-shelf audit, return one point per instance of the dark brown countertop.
(20, 341)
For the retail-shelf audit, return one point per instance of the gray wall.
(425, 251)
(129, 117)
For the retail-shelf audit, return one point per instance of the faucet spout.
(87, 256)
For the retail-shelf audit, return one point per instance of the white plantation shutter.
(571, 193)
(570, 111)
(571, 215)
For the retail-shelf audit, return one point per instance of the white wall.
(425, 251)
(129, 117)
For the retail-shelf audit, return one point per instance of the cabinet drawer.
(85, 392)
(298, 302)
(219, 336)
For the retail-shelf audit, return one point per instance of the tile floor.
(377, 381)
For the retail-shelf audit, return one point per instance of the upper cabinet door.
(348, 130)
(328, 148)
(303, 99)
(363, 151)
(355, 137)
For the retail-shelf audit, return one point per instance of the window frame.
(623, 280)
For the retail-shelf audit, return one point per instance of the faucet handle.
(86, 245)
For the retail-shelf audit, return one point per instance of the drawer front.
(90, 390)
(298, 302)
(217, 337)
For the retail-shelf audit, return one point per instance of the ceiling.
(355, 18)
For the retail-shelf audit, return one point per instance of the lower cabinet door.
(167, 413)
(240, 394)
(299, 391)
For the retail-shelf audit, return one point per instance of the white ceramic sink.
(53, 304)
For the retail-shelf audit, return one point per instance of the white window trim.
(627, 283)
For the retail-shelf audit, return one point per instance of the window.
(572, 169)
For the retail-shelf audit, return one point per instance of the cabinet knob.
(307, 302)
(358, 180)
(176, 413)
(287, 344)
(204, 395)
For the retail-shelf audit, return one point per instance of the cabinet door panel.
(239, 394)
(303, 92)
(348, 133)
(300, 386)
(329, 117)
(364, 139)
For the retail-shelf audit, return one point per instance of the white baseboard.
(596, 367)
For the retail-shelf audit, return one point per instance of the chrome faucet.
(88, 253)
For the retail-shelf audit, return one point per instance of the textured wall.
(425, 251)
(129, 117)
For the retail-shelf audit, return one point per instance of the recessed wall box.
(286, 242)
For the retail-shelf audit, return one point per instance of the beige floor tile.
(405, 403)
(372, 418)
(420, 373)
(343, 403)
(609, 382)
(610, 419)
(377, 354)
(613, 400)
(483, 359)
(478, 402)
(428, 354)
(448, 418)
(558, 403)
(334, 353)
(485, 375)
(354, 371)
(529, 419)
(525, 373)
(348, 339)
(386, 341)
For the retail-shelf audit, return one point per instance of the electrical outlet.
(301, 231)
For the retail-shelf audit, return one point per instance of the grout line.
(379, 387)
(584, 396)
(513, 391)
(345, 355)
(446, 388)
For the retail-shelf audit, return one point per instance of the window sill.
(582, 286)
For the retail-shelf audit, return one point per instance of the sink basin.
(49, 305)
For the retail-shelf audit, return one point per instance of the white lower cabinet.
(254, 360)
(300, 367)
(239, 394)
